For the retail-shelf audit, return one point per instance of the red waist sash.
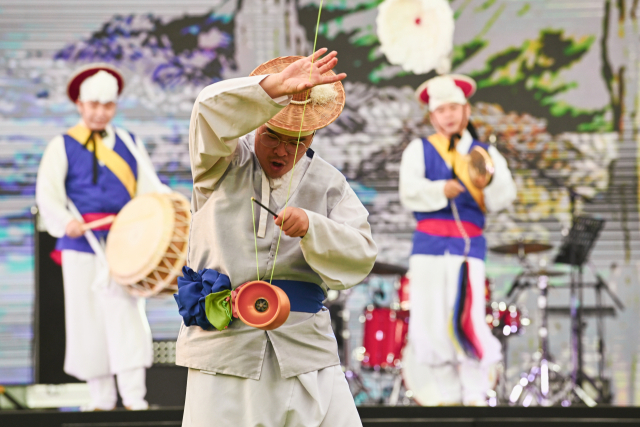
(447, 228)
(56, 255)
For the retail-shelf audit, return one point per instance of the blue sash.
(194, 287)
(304, 296)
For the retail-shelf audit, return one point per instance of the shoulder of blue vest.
(66, 136)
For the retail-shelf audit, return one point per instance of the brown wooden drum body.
(147, 244)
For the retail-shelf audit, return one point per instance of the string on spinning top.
(295, 156)
(255, 237)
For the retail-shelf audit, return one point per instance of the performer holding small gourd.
(450, 180)
(250, 138)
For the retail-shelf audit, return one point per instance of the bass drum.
(385, 333)
(148, 242)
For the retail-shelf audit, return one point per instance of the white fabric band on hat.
(289, 132)
(102, 87)
(443, 90)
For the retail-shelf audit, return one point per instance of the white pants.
(131, 385)
(315, 399)
(434, 287)
(107, 331)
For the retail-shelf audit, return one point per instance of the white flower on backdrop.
(417, 34)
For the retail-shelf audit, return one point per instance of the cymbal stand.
(536, 383)
(356, 385)
(601, 285)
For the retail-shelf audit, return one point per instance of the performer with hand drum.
(87, 175)
(450, 180)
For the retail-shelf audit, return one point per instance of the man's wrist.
(272, 85)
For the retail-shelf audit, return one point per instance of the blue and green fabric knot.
(204, 298)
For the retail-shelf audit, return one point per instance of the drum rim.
(142, 286)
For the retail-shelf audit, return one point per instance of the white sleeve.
(417, 193)
(340, 248)
(222, 113)
(148, 181)
(51, 195)
(501, 192)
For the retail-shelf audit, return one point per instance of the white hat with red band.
(446, 89)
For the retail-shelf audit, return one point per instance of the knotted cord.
(255, 237)
(91, 139)
(454, 208)
(458, 221)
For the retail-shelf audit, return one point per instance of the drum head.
(139, 237)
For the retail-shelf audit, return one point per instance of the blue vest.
(108, 195)
(428, 244)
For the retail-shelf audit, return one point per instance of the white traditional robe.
(107, 332)
(440, 374)
(270, 383)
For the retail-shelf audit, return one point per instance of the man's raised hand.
(302, 75)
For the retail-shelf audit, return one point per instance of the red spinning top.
(261, 305)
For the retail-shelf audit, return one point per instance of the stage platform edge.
(378, 416)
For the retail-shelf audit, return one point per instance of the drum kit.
(385, 332)
(386, 323)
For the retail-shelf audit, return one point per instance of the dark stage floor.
(371, 417)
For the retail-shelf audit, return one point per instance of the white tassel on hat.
(102, 87)
(320, 95)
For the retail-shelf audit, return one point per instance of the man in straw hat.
(446, 363)
(243, 143)
(89, 173)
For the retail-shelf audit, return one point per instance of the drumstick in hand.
(253, 199)
(98, 223)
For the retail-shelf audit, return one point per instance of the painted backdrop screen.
(558, 95)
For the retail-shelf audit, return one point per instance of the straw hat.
(83, 73)
(324, 103)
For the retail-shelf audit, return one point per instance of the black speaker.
(48, 311)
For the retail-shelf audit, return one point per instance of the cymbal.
(548, 273)
(388, 269)
(520, 248)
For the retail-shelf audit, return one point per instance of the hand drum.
(481, 167)
(262, 305)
